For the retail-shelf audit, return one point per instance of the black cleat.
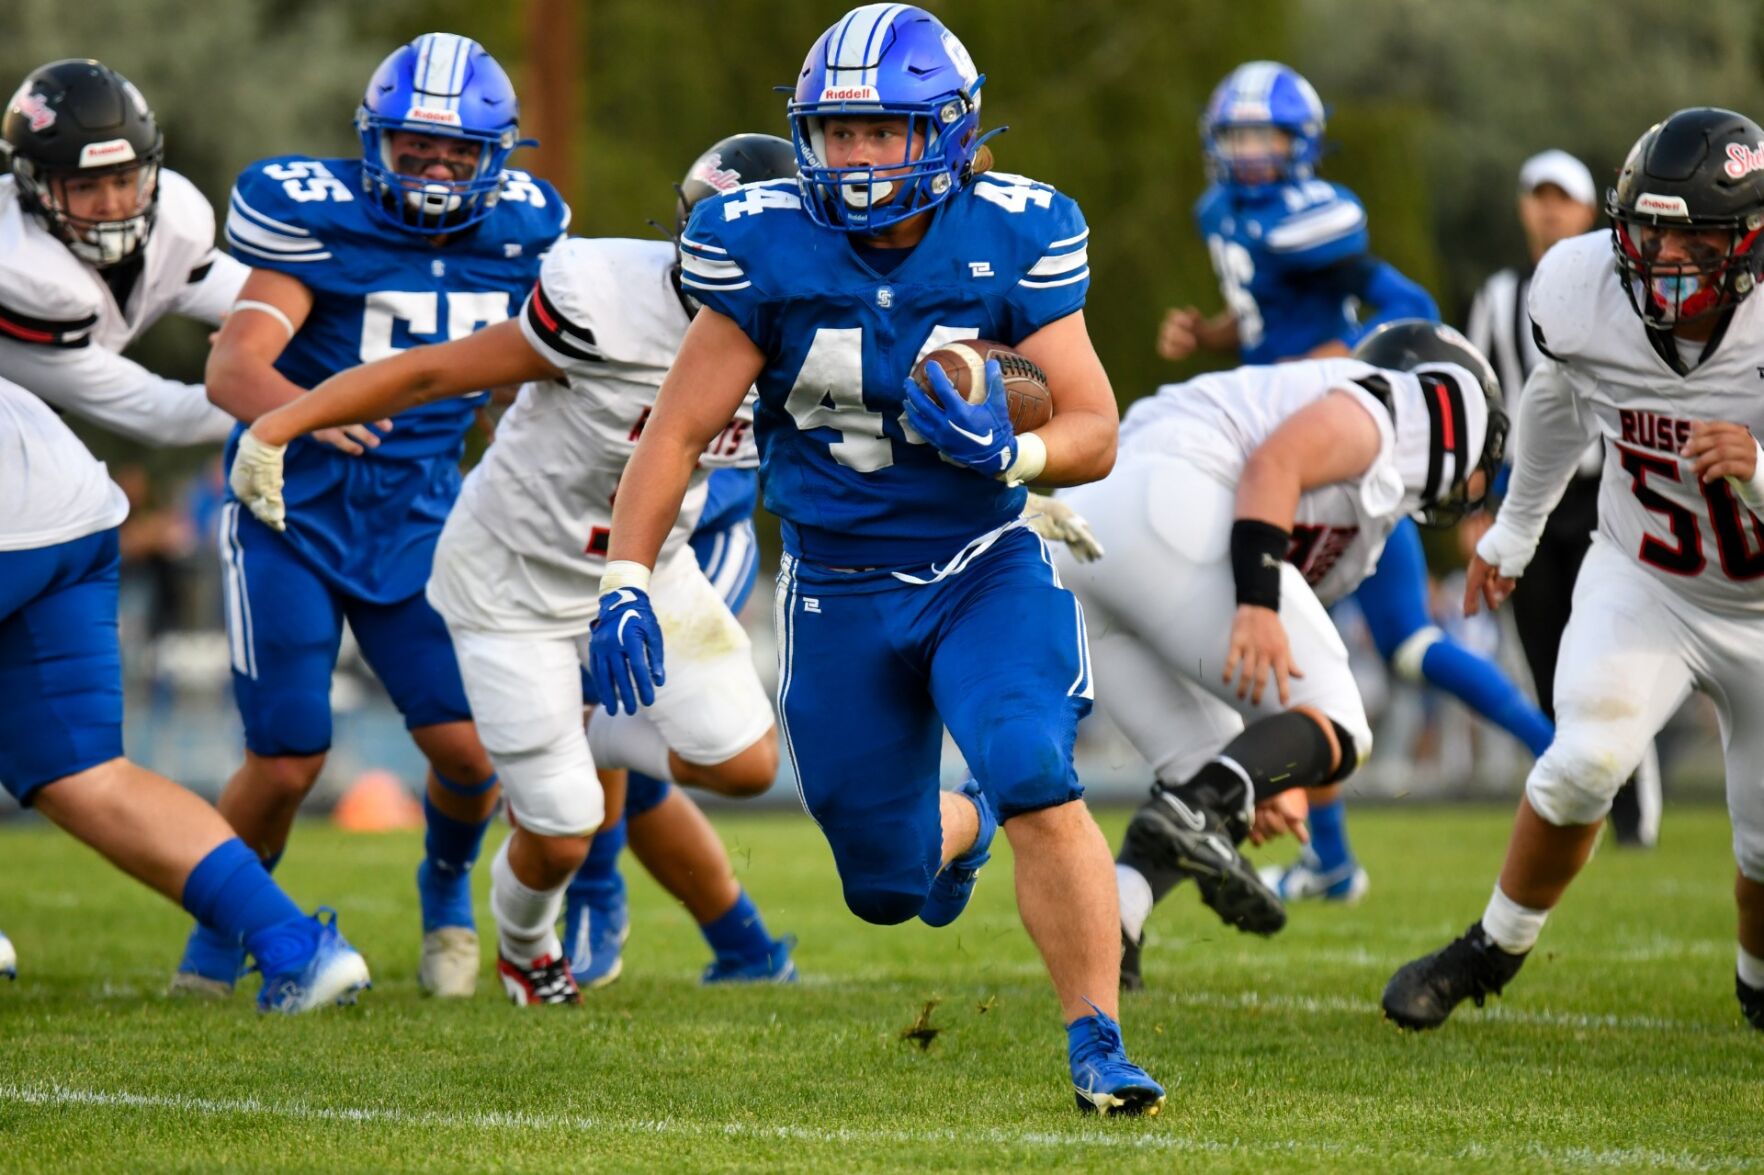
(1131, 979)
(1751, 1001)
(1470, 967)
(1199, 843)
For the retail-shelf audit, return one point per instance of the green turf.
(1619, 1046)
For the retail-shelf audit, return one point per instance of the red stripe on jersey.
(26, 333)
(539, 300)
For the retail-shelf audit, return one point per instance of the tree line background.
(1433, 106)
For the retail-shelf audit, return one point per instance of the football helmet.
(1263, 95)
(444, 85)
(1701, 169)
(886, 59)
(79, 118)
(729, 163)
(1415, 345)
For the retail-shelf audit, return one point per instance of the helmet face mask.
(885, 62)
(1686, 214)
(71, 129)
(440, 87)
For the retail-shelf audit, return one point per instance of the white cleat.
(1302, 879)
(449, 969)
(8, 958)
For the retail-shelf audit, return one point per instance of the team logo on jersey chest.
(885, 297)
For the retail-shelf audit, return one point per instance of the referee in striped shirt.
(1557, 200)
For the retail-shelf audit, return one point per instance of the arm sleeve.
(1552, 432)
(556, 321)
(264, 227)
(1395, 295)
(713, 269)
(116, 393)
(1323, 235)
(1056, 276)
(212, 288)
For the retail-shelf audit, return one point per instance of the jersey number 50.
(1742, 554)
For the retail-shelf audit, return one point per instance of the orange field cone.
(377, 802)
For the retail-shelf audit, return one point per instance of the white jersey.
(1213, 423)
(1603, 377)
(608, 314)
(52, 490)
(62, 330)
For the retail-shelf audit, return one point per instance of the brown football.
(964, 362)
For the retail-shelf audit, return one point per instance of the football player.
(61, 717)
(910, 598)
(1668, 598)
(1290, 478)
(98, 241)
(1292, 255)
(515, 578)
(427, 236)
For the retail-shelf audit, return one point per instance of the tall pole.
(555, 92)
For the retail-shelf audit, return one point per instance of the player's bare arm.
(496, 356)
(1333, 440)
(1080, 438)
(716, 366)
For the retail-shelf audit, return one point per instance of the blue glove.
(978, 436)
(625, 650)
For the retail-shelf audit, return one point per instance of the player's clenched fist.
(1721, 448)
(1180, 333)
(256, 479)
(1259, 648)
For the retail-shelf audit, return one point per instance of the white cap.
(1561, 169)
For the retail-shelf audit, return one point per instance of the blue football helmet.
(886, 59)
(1264, 94)
(444, 85)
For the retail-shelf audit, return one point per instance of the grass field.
(1620, 1045)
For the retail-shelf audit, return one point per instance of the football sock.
(738, 933)
(1480, 684)
(231, 892)
(1329, 841)
(630, 741)
(526, 918)
(1514, 928)
(1751, 970)
(451, 845)
(599, 873)
(1136, 899)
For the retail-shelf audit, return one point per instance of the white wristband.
(274, 312)
(1031, 460)
(624, 573)
(1752, 492)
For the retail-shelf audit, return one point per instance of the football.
(964, 362)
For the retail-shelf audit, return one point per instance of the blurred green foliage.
(1434, 105)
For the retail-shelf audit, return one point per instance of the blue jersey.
(730, 496)
(368, 524)
(1268, 244)
(1001, 259)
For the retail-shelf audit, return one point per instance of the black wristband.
(1257, 550)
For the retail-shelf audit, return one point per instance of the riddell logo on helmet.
(104, 154)
(1743, 160)
(430, 114)
(710, 170)
(1663, 205)
(850, 94)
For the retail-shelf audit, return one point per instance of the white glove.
(1504, 550)
(1052, 519)
(257, 479)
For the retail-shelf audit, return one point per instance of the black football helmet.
(1405, 344)
(80, 118)
(731, 162)
(1702, 168)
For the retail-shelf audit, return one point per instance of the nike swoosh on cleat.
(1184, 813)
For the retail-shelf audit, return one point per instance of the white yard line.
(1154, 1136)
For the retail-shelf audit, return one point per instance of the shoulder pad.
(541, 216)
(1568, 290)
(47, 297)
(1335, 214)
(728, 235)
(279, 208)
(580, 306)
(1050, 240)
(184, 211)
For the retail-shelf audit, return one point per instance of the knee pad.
(886, 867)
(282, 722)
(1024, 769)
(884, 907)
(553, 789)
(644, 793)
(1575, 779)
(1406, 660)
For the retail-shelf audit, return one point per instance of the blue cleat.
(306, 964)
(954, 884)
(775, 966)
(596, 925)
(211, 965)
(8, 958)
(1103, 1079)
